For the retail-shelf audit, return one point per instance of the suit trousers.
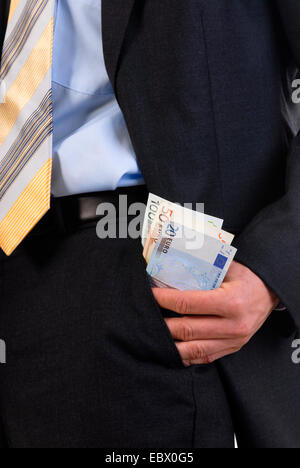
(92, 364)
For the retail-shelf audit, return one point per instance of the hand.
(217, 323)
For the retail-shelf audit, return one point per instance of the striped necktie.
(25, 119)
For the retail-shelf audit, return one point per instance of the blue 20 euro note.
(186, 260)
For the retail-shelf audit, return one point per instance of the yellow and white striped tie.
(26, 122)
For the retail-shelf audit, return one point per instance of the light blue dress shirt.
(92, 150)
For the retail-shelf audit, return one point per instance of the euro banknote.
(172, 265)
(158, 204)
(163, 211)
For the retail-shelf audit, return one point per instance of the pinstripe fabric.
(25, 120)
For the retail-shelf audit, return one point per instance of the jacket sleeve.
(270, 245)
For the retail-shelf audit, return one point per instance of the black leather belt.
(68, 213)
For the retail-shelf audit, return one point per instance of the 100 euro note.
(172, 265)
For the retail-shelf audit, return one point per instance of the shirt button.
(2, 91)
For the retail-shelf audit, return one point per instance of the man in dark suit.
(206, 91)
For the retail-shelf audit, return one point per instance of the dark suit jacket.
(205, 89)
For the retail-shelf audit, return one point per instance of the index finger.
(192, 302)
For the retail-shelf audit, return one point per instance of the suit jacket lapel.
(115, 19)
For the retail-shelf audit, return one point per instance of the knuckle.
(243, 329)
(186, 363)
(246, 340)
(198, 353)
(186, 332)
(237, 348)
(182, 305)
(237, 305)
